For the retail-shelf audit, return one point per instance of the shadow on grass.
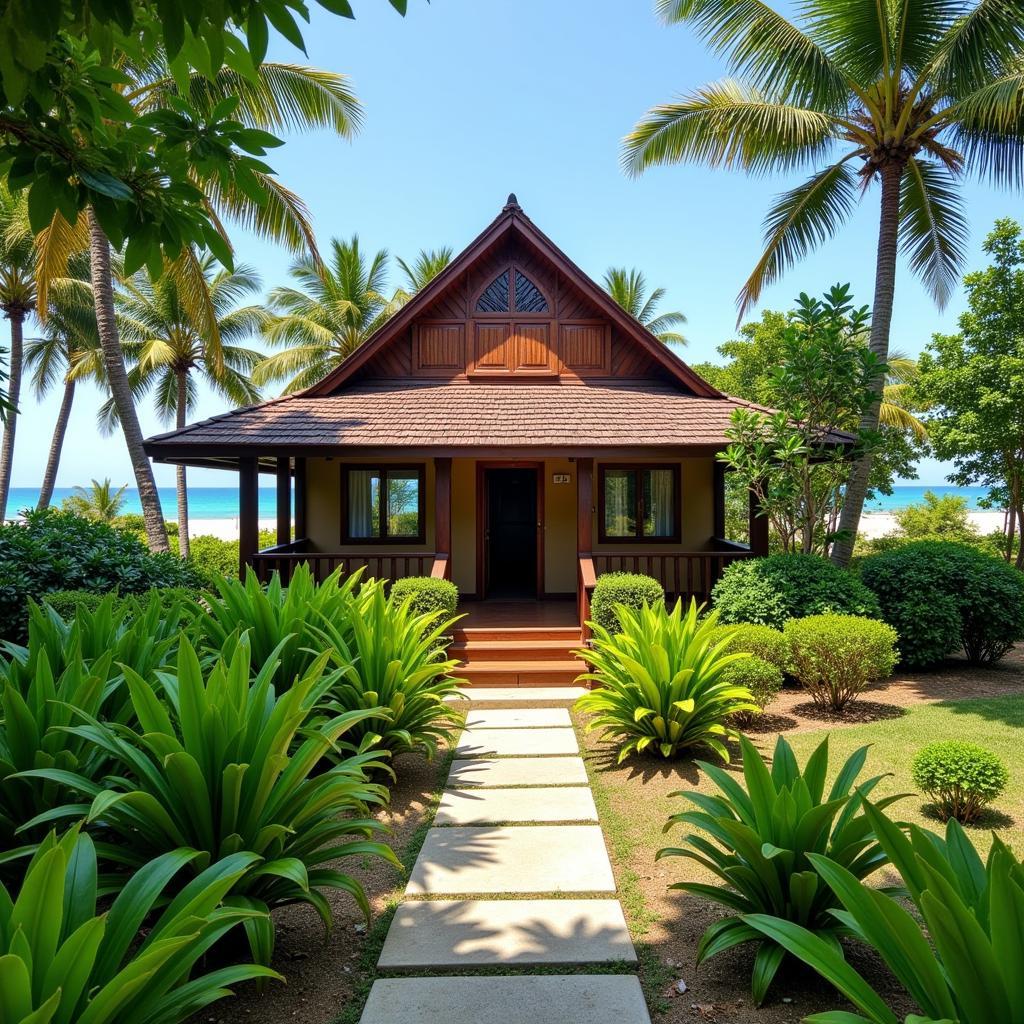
(860, 712)
(1007, 709)
(989, 818)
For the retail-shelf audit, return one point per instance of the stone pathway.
(513, 873)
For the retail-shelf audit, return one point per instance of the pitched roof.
(423, 415)
(513, 222)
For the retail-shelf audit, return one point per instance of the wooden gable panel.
(493, 351)
(629, 360)
(439, 349)
(531, 348)
(584, 347)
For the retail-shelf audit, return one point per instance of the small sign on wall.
(561, 478)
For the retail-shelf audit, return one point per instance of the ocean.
(222, 502)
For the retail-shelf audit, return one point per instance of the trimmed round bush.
(959, 778)
(760, 677)
(771, 591)
(764, 642)
(66, 603)
(942, 597)
(427, 594)
(632, 589)
(834, 657)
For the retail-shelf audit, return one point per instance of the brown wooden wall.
(571, 340)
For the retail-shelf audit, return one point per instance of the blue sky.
(468, 100)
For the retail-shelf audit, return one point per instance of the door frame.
(482, 467)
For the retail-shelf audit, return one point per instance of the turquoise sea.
(222, 502)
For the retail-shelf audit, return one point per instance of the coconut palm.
(284, 97)
(67, 352)
(897, 396)
(427, 265)
(98, 501)
(323, 321)
(629, 289)
(911, 94)
(171, 348)
(17, 300)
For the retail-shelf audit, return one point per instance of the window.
(639, 503)
(382, 504)
(510, 292)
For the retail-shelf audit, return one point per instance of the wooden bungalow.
(512, 429)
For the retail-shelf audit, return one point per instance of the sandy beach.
(226, 529)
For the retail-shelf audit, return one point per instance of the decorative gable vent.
(495, 297)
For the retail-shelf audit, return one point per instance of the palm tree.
(897, 396)
(427, 265)
(170, 347)
(99, 501)
(909, 93)
(68, 351)
(283, 97)
(629, 289)
(17, 300)
(323, 321)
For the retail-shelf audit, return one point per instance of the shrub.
(834, 657)
(222, 764)
(663, 682)
(958, 959)
(64, 961)
(66, 603)
(426, 594)
(759, 842)
(960, 778)
(760, 677)
(392, 659)
(942, 597)
(772, 590)
(631, 589)
(763, 642)
(215, 557)
(55, 550)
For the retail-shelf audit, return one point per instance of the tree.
(67, 351)
(99, 501)
(170, 347)
(17, 300)
(972, 382)
(910, 94)
(939, 518)
(323, 321)
(825, 380)
(629, 289)
(427, 265)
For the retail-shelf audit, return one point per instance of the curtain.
(660, 513)
(620, 503)
(362, 483)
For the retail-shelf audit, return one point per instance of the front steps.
(517, 655)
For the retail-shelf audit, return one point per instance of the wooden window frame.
(640, 538)
(510, 313)
(384, 468)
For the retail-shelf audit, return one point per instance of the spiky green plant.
(662, 683)
(762, 839)
(64, 962)
(223, 764)
(395, 660)
(959, 959)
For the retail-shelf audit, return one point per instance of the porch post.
(284, 501)
(758, 528)
(443, 506)
(718, 491)
(584, 506)
(300, 499)
(248, 512)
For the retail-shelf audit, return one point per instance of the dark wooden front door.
(511, 531)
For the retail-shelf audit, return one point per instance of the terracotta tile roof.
(442, 414)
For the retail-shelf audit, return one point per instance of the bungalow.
(511, 428)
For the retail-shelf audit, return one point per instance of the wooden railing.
(586, 578)
(683, 574)
(285, 557)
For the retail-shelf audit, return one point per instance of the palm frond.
(933, 228)
(799, 220)
(985, 43)
(55, 246)
(427, 265)
(727, 124)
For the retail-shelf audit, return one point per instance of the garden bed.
(897, 718)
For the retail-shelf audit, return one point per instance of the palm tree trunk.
(17, 318)
(881, 319)
(117, 379)
(60, 428)
(184, 548)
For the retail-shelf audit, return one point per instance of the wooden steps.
(517, 655)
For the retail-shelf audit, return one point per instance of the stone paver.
(519, 771)
(511, 859)
(469, 933)
(521, 694)
(518, 718)
(481, 806)
(542, 999)
(516, 742)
